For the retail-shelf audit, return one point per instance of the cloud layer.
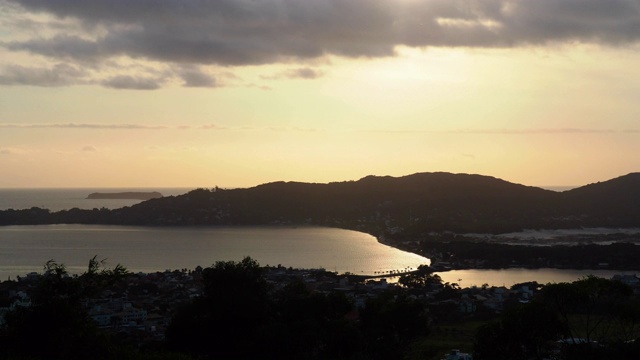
(245, 32)
(480, 131)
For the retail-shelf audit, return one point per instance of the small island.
(130, 195)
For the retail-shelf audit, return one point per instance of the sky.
(235, 93)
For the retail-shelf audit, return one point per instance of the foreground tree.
(523, 332)
(56, 326)
(311, 325)
(390, 322)
(226, 321)
(588, 307)
(592, 318)
(239, 317)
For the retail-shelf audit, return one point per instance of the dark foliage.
(522, 333)
(592, 318)
(422, 278)
(391, 322)
(239, 318)
(227, 321)
(56, 326)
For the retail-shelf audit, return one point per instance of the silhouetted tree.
(587, 307)
(391, 322)
(595, 318)
(226, 322)
(421, 278)
(238, 317)
(56, 326)
(523, 332)
(311, 325)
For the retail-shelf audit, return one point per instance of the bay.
(25, 249)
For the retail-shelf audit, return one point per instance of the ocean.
(68, 198)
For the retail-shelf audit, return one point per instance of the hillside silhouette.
(394, 206)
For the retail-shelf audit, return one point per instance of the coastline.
(605, 249)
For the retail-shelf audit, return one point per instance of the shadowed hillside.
(614, 202)
(400, 207)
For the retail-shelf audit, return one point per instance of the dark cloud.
(194, 77)
(89, 148)
(132, 83)
(64, 75)
(239, 32)
(61, 47)
(57, 75)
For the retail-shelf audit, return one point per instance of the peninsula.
(133, 195)
(432, 214)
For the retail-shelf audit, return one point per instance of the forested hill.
(403, 206)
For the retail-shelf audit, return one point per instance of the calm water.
(509, 277)
(24, 249)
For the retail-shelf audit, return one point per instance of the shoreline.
(440, 264)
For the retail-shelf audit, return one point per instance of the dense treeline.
(462, 254)
(406, 207)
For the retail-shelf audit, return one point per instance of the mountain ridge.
(403, 207)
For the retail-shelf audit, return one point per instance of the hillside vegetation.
(397, 207)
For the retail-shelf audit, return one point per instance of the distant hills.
(400, 207)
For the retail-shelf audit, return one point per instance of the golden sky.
(234, 93)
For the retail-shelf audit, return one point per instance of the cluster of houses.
(142, 305)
